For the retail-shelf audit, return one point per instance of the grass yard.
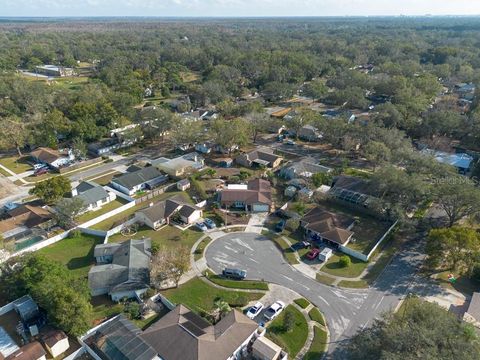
(236, 284)
(167, 237)
(324, 279)
(16, 164)
(105, 209)
(5, 173)
(303, 303)
(200, 297)
(104, 178)
(76, 252)
(319, 345)
(317, 316)
(353, 284)
(333, 267)
(283, 246)
(463, 284)
(291, 341)
(367, 229)
(198, 254)
(104, 308)
(123, 216)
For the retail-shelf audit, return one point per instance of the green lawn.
(353, 284)
(317, 316)
(200, 297)
(105, 209)
(318, 346)
(16, 164)
(327, 280)
(303, 303)
(291, 341)
(104, 178)
(463, 284)
(104, 308)
(201, 248)
(76, 253)
(236, 284)
(333, 267)
(109, 223)
(167, 237)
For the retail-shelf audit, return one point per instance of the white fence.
(100, 218)
(366, 257)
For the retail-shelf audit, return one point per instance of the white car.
(274, 310)
(255, 310)
(39, 166)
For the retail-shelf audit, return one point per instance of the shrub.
(155, 248)
(133, 309)
(288, 321)
(292, 224)
(476, 272)
(344, 261)
(74, 234)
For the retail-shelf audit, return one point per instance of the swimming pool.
(29, 242)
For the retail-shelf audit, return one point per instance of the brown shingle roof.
(53, 337)
(25, 215)
(46, 154)
(328, 225)
(259, 191)
(31, 351)
(181, 334)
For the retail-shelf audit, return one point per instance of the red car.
(313, 254)
(40, 171)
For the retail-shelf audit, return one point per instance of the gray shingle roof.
(132, 179)
(93, 195)
(130, 267)
(166, 208)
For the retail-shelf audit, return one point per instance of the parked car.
(291, 142)
(313, 254)
(40, 171)
(210, 223)
(280, 225)
(10, 206)
(39, 166)
(300, 245)
(201, 226)
(254, 310)
(235, 274)
(274, 310)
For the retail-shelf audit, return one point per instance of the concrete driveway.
(346, 310)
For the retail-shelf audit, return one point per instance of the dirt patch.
(7, 188)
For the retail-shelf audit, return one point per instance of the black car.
(235, 274)
(280, 226)
(300, 245)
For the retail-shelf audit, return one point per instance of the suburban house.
(323, 226)
(204, 148)
(53, 158)
(56, 342)
(54, 70)
(303, 168)
(309, 133)
(160, 214)
(183, 184)
(30, 351)
(24, 221)
(138, 179)
(93, 195)
(122, 270)
(223, 162)
(255, 196)
(107, 146)
(181, 165)
(351, 190)
(462, 162)
(182, 334)
(472, 315)
(259, 158)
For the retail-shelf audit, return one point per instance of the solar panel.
(197, 320)
(192, 328)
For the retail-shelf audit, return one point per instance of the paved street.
(346, 310)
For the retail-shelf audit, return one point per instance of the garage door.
(260, 208)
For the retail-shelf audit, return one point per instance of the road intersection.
(346, 310)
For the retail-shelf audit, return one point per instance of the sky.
(236, 8)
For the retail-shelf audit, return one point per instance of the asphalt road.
(346, 311)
